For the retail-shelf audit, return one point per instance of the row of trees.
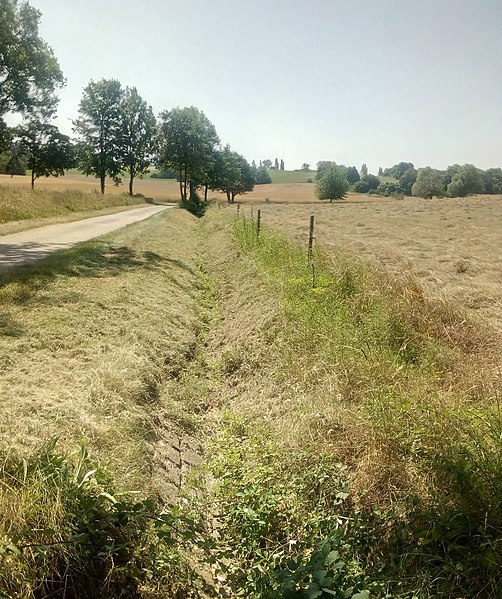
(116, 130)
(456, 181)
(333, 181)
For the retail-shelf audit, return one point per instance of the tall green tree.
(323, 166)
(47, 151)
(465, 180)
(352, 174)
(138, 136)
(430, 182)
(100, 130)
(188, 141)
(262, 176)
(333, 184)
(364, 170)
(406, 181)
(29, 71)
(232, 174)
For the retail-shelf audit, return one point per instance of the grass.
(424, 236)
(292, 176)
(27, 204)
(88, 338)
(350, 421)
(357, 446)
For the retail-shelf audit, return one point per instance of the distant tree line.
(456, 181)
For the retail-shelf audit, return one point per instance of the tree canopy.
(430, 182)
(138, 135)
(47, 151)
(29, 71)
(333, 184)
(188, 141)
(99, 128)
(231, 174)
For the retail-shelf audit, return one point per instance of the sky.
(373, 81)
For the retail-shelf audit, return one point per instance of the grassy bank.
(351, 424)
(88, 337)
(358, 451)
(21, 204)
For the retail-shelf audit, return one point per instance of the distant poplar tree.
(276, 164)
(364, 170)
(282, 164)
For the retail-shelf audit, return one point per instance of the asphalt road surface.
(38, 243)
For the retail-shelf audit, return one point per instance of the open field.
(358, 416)
(162, 189)
(453, 246)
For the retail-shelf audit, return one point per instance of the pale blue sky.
(375, 81)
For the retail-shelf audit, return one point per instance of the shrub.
(361, 187)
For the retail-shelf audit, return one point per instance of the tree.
(266, 163)
(323, 166)
(380, 171)
(282, 165)
(262, 176)
(100, 130)
(364, 170)
(430, 182)
(138, 134)
(188, 141)
(333, 184)
(492, 179)
(29, 71)
(465, 180)
(371, 180)
(352, 174)
(397, 170)
(305, 167)
(47, 151)
(232, 174)
(406, 181)
(276, 164)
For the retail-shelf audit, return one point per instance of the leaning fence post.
(238, 209)
(258, 223)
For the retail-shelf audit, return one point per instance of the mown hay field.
(453, 246)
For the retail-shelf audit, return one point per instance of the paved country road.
(33, 244)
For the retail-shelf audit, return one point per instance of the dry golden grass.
(87, 336)
(160, 189)
(453, 246)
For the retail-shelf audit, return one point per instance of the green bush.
(65, 531)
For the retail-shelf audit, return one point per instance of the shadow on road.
(92, 259)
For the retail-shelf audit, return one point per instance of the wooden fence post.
(311, 238)
(258, 224)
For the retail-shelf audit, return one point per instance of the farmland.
(453, 246)
(351, 398)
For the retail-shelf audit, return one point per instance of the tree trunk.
(131, 181)
(102, 182)
(181, 184)
(205, 193)
(32, 180)
(185, 184)
(228, 197)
